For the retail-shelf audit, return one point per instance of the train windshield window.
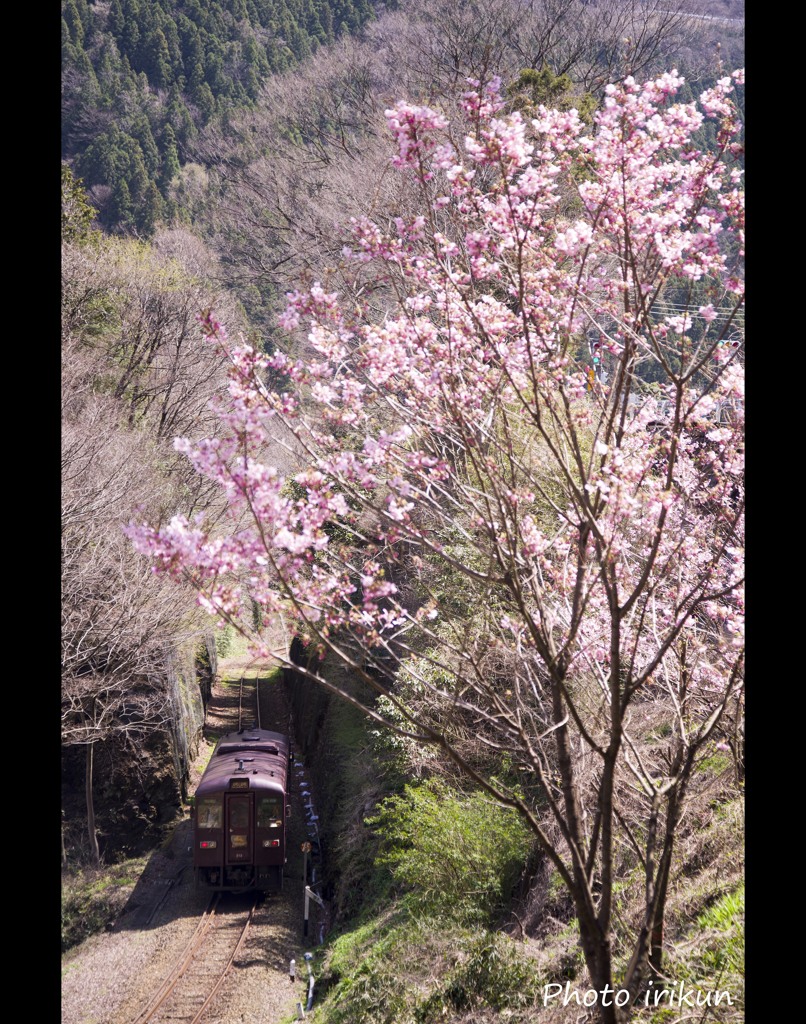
(269, 812)
(239, 812)
(209, 813)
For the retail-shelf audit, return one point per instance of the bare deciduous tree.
(134, 369)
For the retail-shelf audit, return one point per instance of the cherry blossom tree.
(494, 527)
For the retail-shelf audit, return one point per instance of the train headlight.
(271, 842)
(208, 844)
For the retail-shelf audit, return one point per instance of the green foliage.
(170, 165)
(726, 917)
(223, 641)
(491, 972)
(458, 856)
(368, 991)
(715, 763)
(711, 958)
(345, 949)
(396, 968)
(532, 89)
(135, 67)
(77, 213)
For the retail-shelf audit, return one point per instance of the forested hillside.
(482, 452)
(140, 78)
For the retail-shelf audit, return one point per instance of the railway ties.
(199, 973)
(248, 706)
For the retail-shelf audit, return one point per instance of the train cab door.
(240, 828)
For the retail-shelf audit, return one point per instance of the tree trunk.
(656, 937)
(601, 974)
(676, 797)
(94, 851)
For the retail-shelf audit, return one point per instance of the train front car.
(240, 813)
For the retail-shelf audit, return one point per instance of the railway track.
(235, 929)
(200, 970)
(199, 973)
(248, 705)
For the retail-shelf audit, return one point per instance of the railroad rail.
(200, 971)
(255, 724)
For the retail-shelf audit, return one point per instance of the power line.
(720, 313)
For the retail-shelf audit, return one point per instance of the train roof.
(252, 739)
(256, 754)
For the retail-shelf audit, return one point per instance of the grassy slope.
(385, 964)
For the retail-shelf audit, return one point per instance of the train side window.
(269, 812)
(209, 813)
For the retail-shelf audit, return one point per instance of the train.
(240, 813)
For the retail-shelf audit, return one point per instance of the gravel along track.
(111, 978)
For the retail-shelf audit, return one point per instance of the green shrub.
(223, 641)
(494, 973)
(458, 856)
(367, 989)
